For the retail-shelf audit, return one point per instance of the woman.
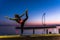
(19, 20)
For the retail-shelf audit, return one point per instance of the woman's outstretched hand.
(7, 17)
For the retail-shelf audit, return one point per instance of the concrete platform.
(31, 37)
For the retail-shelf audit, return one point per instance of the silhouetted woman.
(19, 20)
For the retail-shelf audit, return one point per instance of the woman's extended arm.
(10, 18)
(24, 13)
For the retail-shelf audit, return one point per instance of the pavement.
(31, 37)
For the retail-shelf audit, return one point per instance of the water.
(10, 30)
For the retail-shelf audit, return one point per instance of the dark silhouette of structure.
(19, 20)
(43, 19)
(41, 27)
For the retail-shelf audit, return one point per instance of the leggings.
(22, 24)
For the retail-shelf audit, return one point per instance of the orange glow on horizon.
(53, 22)
(40, 23)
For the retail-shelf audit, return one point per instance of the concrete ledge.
(31, 37)
(35, 35)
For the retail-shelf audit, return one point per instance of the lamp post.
(43, 20)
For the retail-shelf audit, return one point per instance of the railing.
(36, 28)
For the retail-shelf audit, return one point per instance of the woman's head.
(17, 16)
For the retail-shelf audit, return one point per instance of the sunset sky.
(36, 8)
